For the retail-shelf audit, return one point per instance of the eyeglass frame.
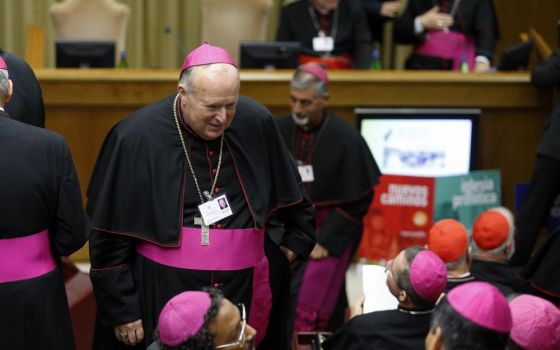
(389, 272)
(241, 339)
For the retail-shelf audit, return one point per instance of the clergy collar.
(493, 259)
(318, 126)
(415, 312)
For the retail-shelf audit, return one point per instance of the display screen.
(420, 142)
(85, 54)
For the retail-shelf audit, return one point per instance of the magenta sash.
(228, 250)
(26, 257)
(449, 45)
(320, 286)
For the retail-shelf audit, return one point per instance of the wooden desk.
(83, 105)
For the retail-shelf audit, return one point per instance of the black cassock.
(142, 194)
(501, 275)
(345, 173)
(26, 104)
(382, 330)
(39, 193)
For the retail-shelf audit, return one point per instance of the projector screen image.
(420, 142)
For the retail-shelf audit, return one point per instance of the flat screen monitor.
(85, 54)
(269, 54)
(516, 57)
(420, 142)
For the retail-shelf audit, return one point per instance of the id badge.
(306, 173)
(215, 210)
(323, 43)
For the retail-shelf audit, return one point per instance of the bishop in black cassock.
(154, 171)
(416, 277)
(26, 105)
(339, 173)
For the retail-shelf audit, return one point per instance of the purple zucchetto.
(3, 64)
(316, 70)
(207, 54)
(536, 323)
(428, 275)
(482, 304)
(182, 317)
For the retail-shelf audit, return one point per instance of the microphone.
(168, 30)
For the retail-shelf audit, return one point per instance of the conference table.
(83, 105)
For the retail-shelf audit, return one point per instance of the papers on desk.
(378, 296)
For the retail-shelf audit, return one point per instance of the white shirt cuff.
(418, 27)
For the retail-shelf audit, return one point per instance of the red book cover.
(400, 215)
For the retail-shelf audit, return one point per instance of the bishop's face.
(230, 328)
(394, 270)
(325, 6)
(307, 108)
(209, 107)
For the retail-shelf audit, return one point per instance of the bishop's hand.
(130, 333)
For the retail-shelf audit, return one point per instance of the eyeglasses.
(240, 342)
(389, 267)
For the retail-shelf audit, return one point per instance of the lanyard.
(315, 21)
(308, 156)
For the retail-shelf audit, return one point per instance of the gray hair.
(303, 80)
(4, 77)
(186, 80)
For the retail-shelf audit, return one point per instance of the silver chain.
(189, 160)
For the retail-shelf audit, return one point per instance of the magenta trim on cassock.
(449, 45)
(320, 286)
(222, 254)
(261, 302)
(25, 257)
(235, 249)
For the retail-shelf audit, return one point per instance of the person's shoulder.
(32, 135)
(343, 128)
(284, 120)
(146, 117)
(12, 58)
(249, 110)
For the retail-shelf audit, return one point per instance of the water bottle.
(464, 64)
(375, 59)
(123, 63)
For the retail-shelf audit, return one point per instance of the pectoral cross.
(204, 231)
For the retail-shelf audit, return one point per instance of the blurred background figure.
(542, 271)
(377, 13)
(332, 32)
(472, 316)
(544, 185)
(449, 34)
(338, 172)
